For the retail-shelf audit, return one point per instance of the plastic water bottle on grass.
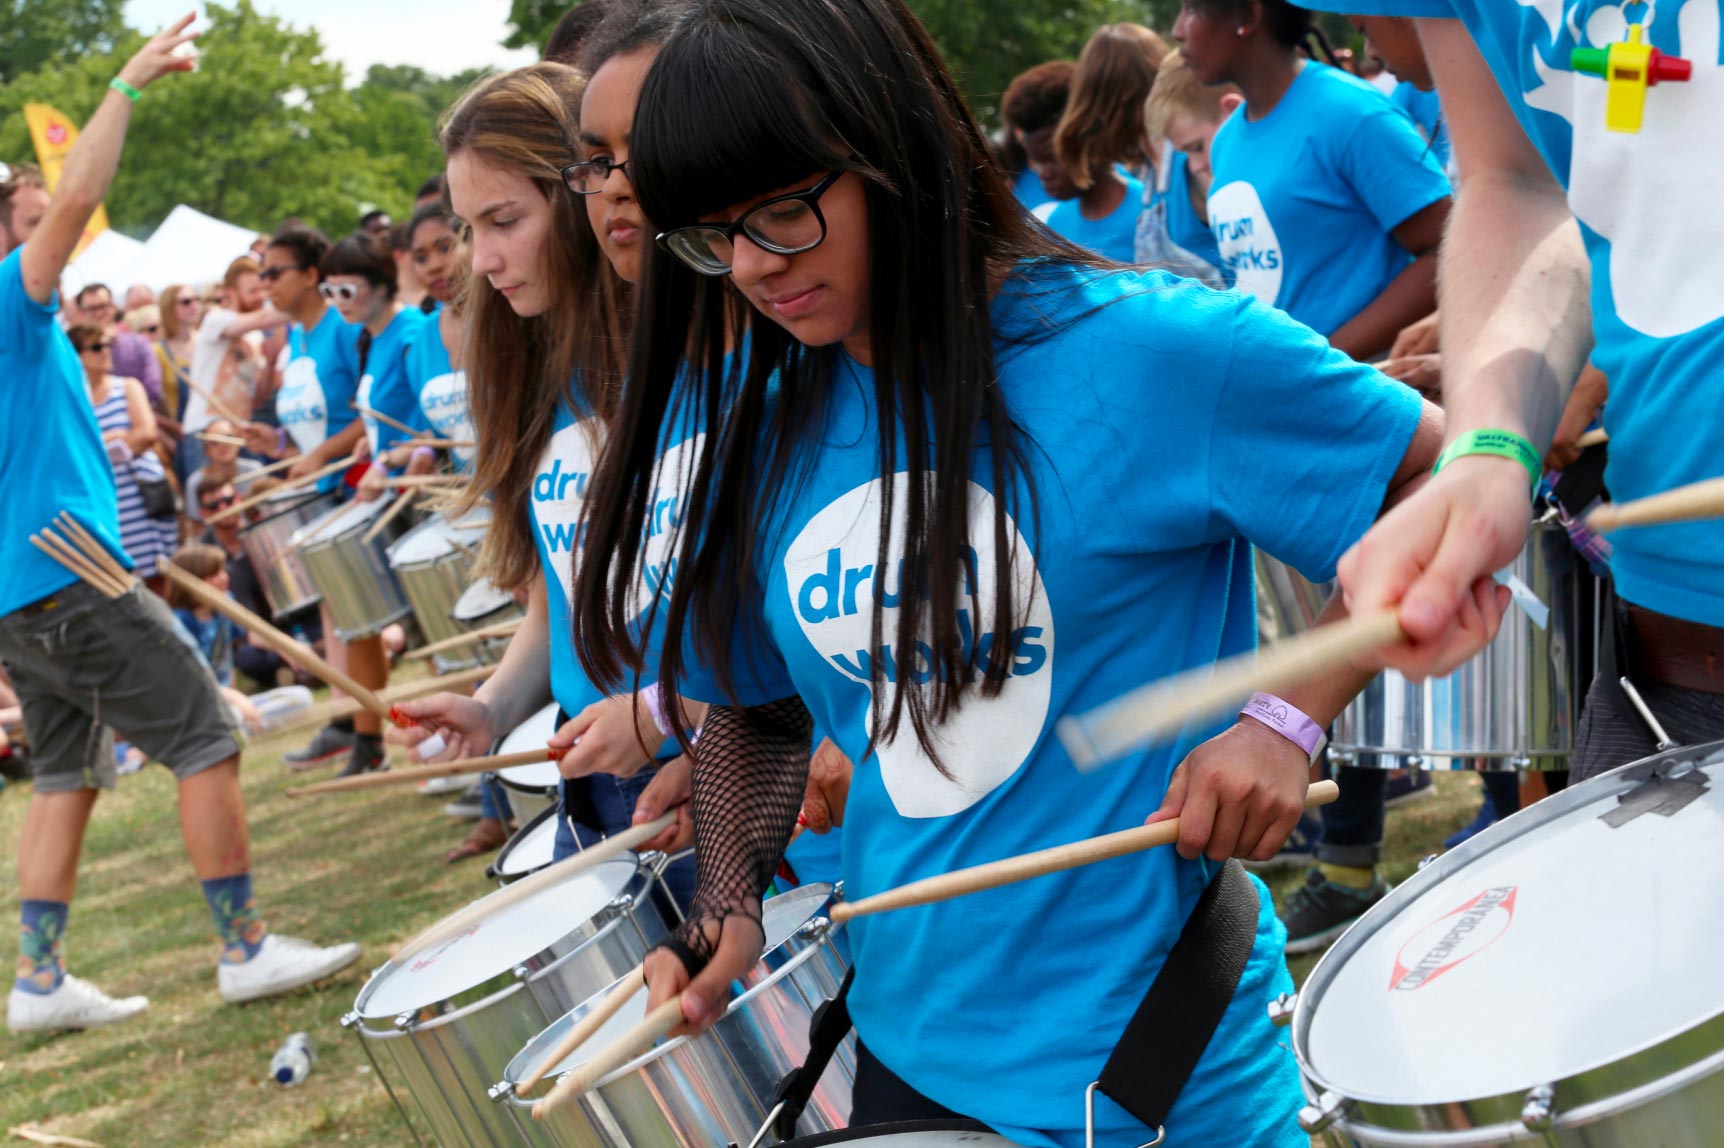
(292, 1062)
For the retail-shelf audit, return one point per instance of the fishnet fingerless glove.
(750, 773)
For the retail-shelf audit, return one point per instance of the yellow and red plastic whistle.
(1629, 68)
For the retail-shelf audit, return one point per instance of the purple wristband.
(280, 440)
(653, 698)
(429, 452)
(1288, 720)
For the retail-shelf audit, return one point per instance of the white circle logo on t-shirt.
(300, 406)
(444, 401)
(671, 479)
(559, 492)
(1249, 246)
(832, 583)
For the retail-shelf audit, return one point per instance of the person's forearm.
(522, 684)
(1516, 317)
(1322, 697)
(339, 445)
(256, 321)
(1409, 297)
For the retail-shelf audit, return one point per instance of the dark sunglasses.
(152, 329)
(187, 301)
(271, 274)
(338, 292)
(784, 225)
(218, 503)
(588, 177)
(96, 348)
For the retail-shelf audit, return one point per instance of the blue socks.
(242, 931)
(41, 965)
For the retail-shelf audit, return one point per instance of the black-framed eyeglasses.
(271, 274)
(588, 177)
(784, 225)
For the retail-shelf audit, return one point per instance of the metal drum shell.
(716, 1088)
(268, 544)
(435, 582)
(353, 575)
(440, 1058)
(1666, 1091)
(1514, 706)
(482, 605)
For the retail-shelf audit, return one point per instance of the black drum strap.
(1172, 1027)
(827, 1031)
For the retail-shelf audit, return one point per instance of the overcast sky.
(441, 36)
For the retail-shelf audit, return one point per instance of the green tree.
(396, 113)
(33, 32)
(531, 21)
(264, 130)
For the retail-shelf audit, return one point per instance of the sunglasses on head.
(271, 274)
(338, 292)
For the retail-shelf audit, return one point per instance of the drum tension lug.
(1089, 1120)
(1281, 1009)
(1324, 1111)
(1540, 1108)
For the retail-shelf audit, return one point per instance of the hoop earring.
(1242, 31)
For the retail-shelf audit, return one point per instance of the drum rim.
(351, 506)
(436, 520)
(883, 1131)
(533, 822)
(636, 887)
(1436, 1116)
(292, 504)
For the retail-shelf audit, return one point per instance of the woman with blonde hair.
(180, 310)
(1101, 131)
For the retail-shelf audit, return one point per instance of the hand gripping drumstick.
(291, 484)
(324, 712)
(296, 651)
(426, 772)
(282, 464)
(1010, 870)
(619, 995)
(387, 421)
(1162, 708)
(1594, 437)
(945, 887)
(1684, 504)
(460, 922)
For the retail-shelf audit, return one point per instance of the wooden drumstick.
(415, 481)
(94, 550)
(1010, 870)
(387, 421)
(426, 772)
(1162, 708)
(315, 476)
(230, 440)
(625, 1048)
(388, 516)
(77, 564)
(288, 647)
(1595, 437)
(282, 464)
(461, 921)
(620, 994)
(470, 638)
(1684, 504)
(341, 707)
(216, 404)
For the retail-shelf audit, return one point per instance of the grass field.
(192, 1071)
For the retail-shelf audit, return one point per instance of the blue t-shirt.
(51, 454)
(441, 389)
(214, 642)
(384, 386)
(1114, 236)
(1658, 312)
(1028, 188)
(1304, 200)
(1004, 1005)
(1426, 110)
(317, 388)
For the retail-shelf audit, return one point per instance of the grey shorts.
(86, 666)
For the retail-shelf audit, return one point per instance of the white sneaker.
(282, 963)
(75, 1004)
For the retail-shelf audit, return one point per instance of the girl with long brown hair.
(547, 330)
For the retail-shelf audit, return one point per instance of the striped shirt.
(146, 539)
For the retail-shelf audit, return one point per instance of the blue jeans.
(612, 804)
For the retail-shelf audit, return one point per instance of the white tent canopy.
(189, 247)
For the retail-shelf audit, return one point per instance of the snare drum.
(911, 1134)
(353, 575)
(484, 604)
(1514, 706)
(532, 787)
(1552, 981)
(531, 848)
(719, 1087)
(268, 544)
(441, 1027)
(433, 562)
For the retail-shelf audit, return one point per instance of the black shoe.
(367, 756)
(329, 744)
(1319, 910)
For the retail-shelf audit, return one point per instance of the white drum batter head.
(530, 849)
(1575, 934)
(538, 776)
(497, 943)
(629, 1015)
(434, 540)
(480, 600)
(343, 519)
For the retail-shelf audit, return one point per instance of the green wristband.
(1503, 444)
(125, 89)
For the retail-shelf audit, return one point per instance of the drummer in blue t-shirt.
(1326, 201)
(439, 253)
(1550, 132)
(964, 488)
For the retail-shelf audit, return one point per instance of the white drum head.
(530, 849)
(430, 541)
(629, 1015)
(480, 600)
(349, 516)
(499, 941)
(1550, 945)
(538, 776)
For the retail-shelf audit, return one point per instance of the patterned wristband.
(1503, 444)
(1288, 720)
